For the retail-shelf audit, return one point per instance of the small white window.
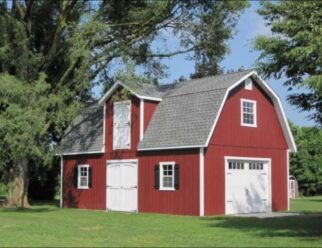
(167, 175)
(248, 113)
(248, 84)
(83, 176)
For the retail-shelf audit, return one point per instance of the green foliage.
(52, 53)
(306, 164)
(24, 119)
(295, 50)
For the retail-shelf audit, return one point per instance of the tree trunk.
(18, 186)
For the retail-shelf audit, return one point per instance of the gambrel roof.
(185, 117)
(188, 114)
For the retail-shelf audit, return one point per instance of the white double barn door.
(122, 186)
(247, 186)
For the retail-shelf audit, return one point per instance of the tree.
(306, 164)
(294, 50)
(63, 48)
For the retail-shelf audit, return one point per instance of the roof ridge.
(197, 92)
(210, 76)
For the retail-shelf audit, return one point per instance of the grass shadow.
(36, 207)
(307, 226)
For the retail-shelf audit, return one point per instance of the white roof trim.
(277, 104)
(118, 84)
(170, 148)
(281, 114)
(80, 153)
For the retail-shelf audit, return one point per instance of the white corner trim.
(287, 180)
(117, 85)
(201, 182)
(141, 118)
(242, 100)
(61, 180)
(104, 127)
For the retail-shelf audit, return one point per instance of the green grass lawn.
(47, 225)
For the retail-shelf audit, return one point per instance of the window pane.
(83, 181)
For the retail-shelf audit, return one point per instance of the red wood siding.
(149, 108)
(184, 201)
(232, 139)
(93, 198)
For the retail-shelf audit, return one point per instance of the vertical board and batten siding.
(149, 108)
(232, 139)
(93, 198)
(185, 200)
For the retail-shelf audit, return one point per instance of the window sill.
(167, 189)
(248, 125)
(82, 187)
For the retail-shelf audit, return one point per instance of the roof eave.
(118, 84)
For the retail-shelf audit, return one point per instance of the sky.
(241, 54)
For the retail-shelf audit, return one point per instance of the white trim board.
(61, 180)
(78, 153)
(117, 85)
(202, 182)
(141, 118)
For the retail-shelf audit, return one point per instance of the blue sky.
(249, 26)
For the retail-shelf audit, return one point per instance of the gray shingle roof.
(149, 90)
(187, 112)
(85, 134)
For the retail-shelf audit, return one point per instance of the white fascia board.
(80, 153)
(118, 84)
(170, 148)
(281, 114)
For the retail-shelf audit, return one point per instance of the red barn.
(215, 145)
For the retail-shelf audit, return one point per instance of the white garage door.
(122, 182)
(247, 186)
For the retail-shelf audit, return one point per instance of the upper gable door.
(122, 125)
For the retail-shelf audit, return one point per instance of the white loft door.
(122, 181)
(122, 125)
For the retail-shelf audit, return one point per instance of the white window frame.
(242, 113)
(114, 128)
(79, 176)
(161, 175)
